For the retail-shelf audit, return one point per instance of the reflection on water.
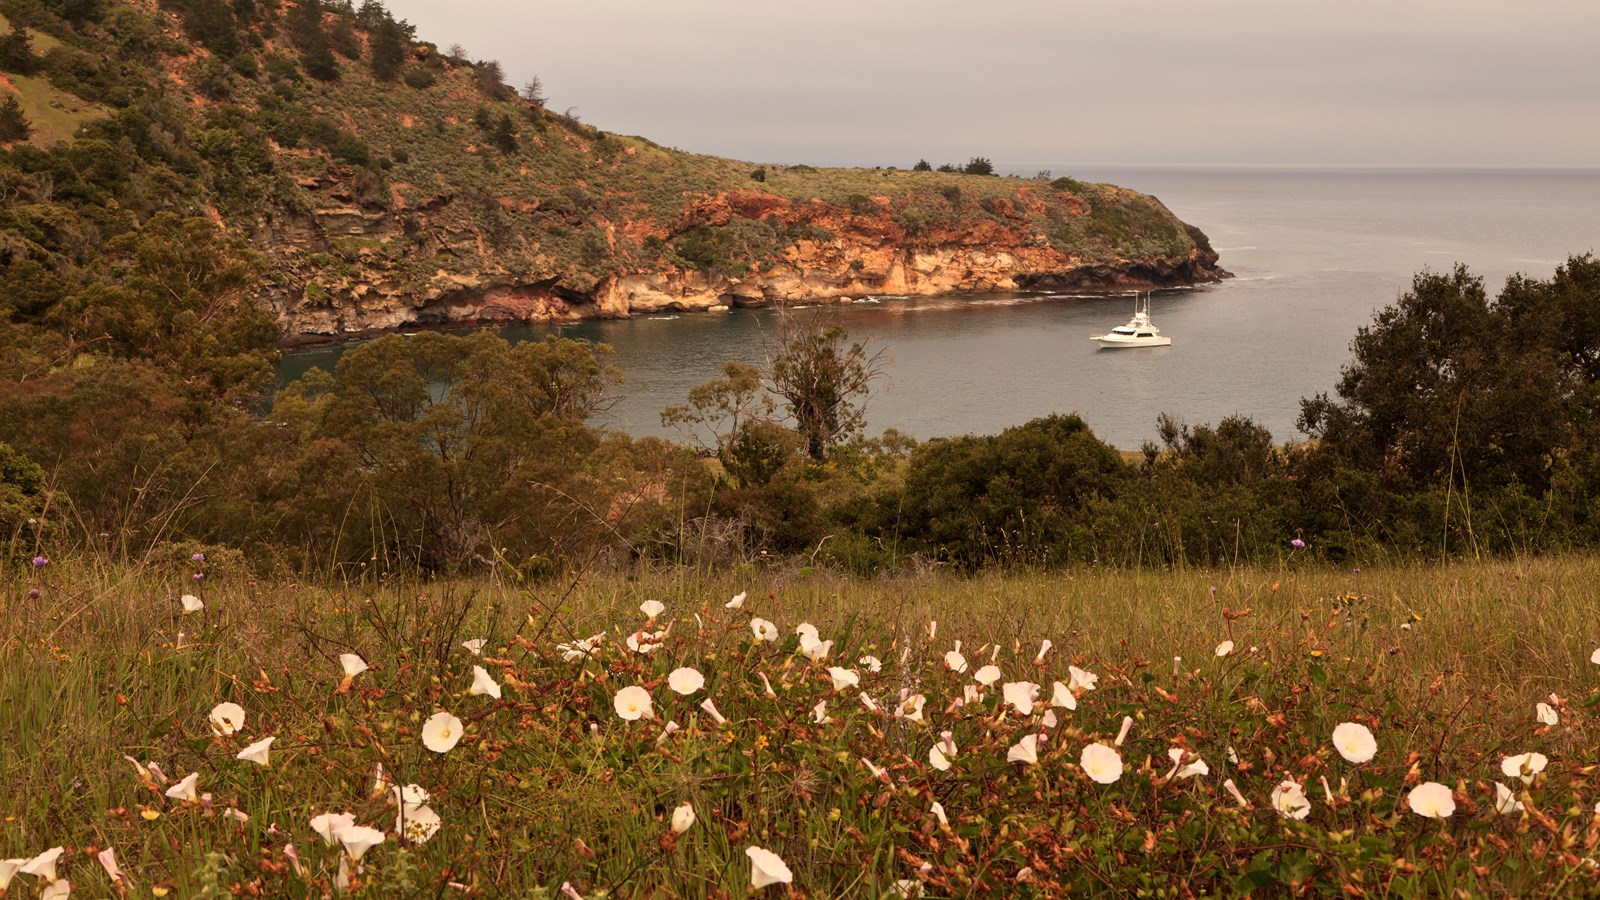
(1315, 253)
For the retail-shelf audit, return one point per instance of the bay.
(1315, 253)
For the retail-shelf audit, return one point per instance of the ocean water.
(1315, 252)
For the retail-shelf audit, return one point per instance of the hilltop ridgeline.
(390, 184)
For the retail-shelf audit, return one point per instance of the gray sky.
(1033, 82)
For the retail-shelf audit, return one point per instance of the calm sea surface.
(1314, 252)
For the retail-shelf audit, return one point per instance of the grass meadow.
(1175, 739)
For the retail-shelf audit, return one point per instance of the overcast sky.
(1035, 82)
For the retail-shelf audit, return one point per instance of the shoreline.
(309, 341)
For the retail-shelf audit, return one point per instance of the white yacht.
(1139, 332)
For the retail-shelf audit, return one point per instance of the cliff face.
(740, 248)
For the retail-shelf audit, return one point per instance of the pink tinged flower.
(1025, 751)
(818, 651)
(1044, 648)
(1431, 800)
(328, 825)
(1020, 695)
(191, 604)
(686, 680)
(1061, 695)
(1102, 764)
(380, 782)
(108, 861)
(987, 675)
(954, 661)
(441, 732)
(1234, 790)
(911, 708)
(1048, 720)
(971, 694)
(474, 646)
(645, 641)
(410, 795)
(1290, 800)
(55, 890)
(711, 710)
(938, 814)
(879, 773)
(736, 602)
(353, 665)
(416, 824)
(1177, 665)
(872, 663)
(667, 731)
(293, 857)
(766, 687)
(227, 719)
(1127, 725)
(807, 633)
(1354, 742)
(766, 868)
(567, 891)
(358, 839)
(1079, 680)
(482, 684)
(43, 865)
(1506, 802)
(1225, 648)
(682, 818)
(867, 702)
(1180, 770)
(933, 629)
(843, 678)
(632, 703)
(1546, 714)
(938, 759)
(819, 713)
(652, 608)
(8, 871)
(236, 815)
(763, 630)
(1595, 656)
(185, 789)
(1524, 766)
(257, 752)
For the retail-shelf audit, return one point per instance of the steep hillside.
(390, 184)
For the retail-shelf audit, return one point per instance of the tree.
(533, 92)
(457, 441)
(492, 80)
(304, 23)
(504, 134)
(922, 166)
(371, 15)
(389, 39)
(979, 166)
(1440, 392)
(733, 417)
(824, 382)
(14, 124)
(16, 52)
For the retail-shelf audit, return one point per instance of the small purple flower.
(40, 562)
(199, 576)
(34, 594)
(1298, 544)
(199, 557)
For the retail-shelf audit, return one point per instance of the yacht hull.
(1114, 342)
